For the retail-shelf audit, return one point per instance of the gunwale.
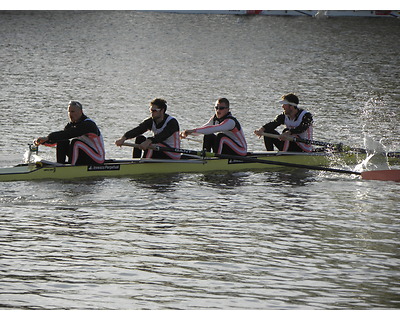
(42, 170)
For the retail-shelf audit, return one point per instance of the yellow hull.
(125, 168)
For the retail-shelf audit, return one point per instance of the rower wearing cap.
(298, 123)
(80, 141)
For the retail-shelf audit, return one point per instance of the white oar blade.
(384, 175)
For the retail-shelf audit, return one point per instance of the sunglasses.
(220, 108)
(154, 110)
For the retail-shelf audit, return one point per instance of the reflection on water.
(223, 180)
(290, 177)
(265, 242)
(158, 183)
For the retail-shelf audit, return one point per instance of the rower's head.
(289, 102)
(75, 111)
(158, 107)
(221, 107)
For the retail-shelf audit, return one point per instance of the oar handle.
(277, 136)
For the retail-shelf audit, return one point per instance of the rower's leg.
(137, 153)
(226, 145)
(83, 154)
(294, 147)
(63, 151)
(271, 142)
(209, 141)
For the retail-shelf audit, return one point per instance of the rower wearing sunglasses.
(165, 129)
(222, 133)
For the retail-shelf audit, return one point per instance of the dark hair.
(161, 103)
(291, 97)
(75, 104)
(223, 100)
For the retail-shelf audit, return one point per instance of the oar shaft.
(159, 148)
(393, 154)
(280, 163)
(339, 146)
(296, 139)
(194, 140)
(242, 158)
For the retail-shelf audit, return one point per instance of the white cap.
(287, 102)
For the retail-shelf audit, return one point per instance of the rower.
(298, 123)
(80, 141)
(165, 130)
(222, 133)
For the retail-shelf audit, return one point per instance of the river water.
(282, 239)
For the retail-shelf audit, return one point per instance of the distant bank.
(307, 13)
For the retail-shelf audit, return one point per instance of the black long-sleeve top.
(75, 129)
(280, 120)
(171, 127)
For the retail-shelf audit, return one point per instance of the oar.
(242, 158)
(338, 146)
(194, 140)
(385, 175)
(391, 175)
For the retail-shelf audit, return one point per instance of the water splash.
(28, 156)
(31, 154)
(376, 156)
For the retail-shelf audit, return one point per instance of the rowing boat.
(43, 169)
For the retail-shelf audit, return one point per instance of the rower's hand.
(285, 136)
(40, 141)
(145, 144)
(259, 132)
(119, 142)
(185, 133)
